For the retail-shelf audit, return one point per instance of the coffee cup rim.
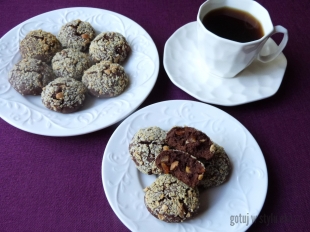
(266, 33)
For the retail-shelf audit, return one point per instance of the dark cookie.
(110, 46)
(64, 95)
(145, 146)
(39, 45)
(29, 76)
(190, 140)
(170, 200)
(105, 79)
(181, 165)
(70, 63)
(217, 169)
(76, 34)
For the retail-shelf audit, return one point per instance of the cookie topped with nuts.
(70, 63)
(190, 140)
(76, 34)
(105, 79)
(64, 95)
(182, 165)
(29, 76)
(145, 146)
(110, 46)
(40, 45)
(170, 200)
(218, 168)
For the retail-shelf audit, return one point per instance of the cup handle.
(270, 57)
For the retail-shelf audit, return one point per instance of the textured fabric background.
(54, 184)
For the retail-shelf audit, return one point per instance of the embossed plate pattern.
(188, 72)
(244, 194)
(29, 114)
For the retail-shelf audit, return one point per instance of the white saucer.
(188, 72)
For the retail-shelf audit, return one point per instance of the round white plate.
(29, 114)
(243, 194)
(188, 72)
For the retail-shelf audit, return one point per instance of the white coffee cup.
(226, 58)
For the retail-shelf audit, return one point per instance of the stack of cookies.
(63, 69)
(187, 162)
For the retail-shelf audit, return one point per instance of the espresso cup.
(225, 57)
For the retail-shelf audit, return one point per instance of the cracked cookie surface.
(39, 44)
(145, 146)
(76, 34)
(105, 79)
(110, 46)
(170, 200)
(64, 95)
(29, 76)
(70, 63)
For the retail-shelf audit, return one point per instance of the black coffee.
(233, 24)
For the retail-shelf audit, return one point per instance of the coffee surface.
(233, 24)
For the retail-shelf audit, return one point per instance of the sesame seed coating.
(64, 95)
(105, 79)
(145, 146)
(70, 63)
(110, 46)
(170, 200)
(76, 34)
(39, 45)
(218, 168)
(29, 76)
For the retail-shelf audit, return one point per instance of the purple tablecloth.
(54, 183)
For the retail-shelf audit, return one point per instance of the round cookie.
(105, 79)
(64, 95)
(70, 63)
(190, 140)
(76, 34)
(29, 76)
(39, 45)
(111, 46)
(217, 169)
(145, 146)
(182, 165)
(170, 200)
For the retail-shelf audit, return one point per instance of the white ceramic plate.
(244, 194)
(188, 72)
(29, 114)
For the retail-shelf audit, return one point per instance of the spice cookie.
(190, 140)
(39, 45)
(29, 76)
(218, 168)
(76, 34)
(145, 146)
(111, 46)
(181, 165)
(70, 63)
(170, 200)
(64, 95)
(105, 79)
